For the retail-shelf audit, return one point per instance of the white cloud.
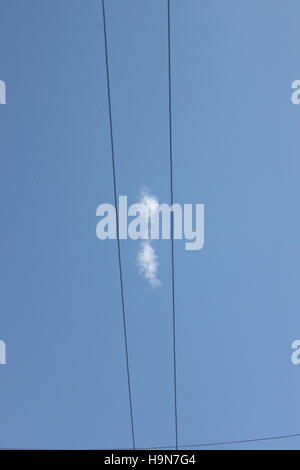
(148, 264)
(146, 257)
(150, 203)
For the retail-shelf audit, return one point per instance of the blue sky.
(236, 150)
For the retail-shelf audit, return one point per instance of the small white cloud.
(150, 203)
(146, 257)
(148, 264)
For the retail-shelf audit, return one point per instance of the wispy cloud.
(147, 263)
(146, 257)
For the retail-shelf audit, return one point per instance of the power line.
(117, 225)
(270, 438)
(258, 439)
(172, 225)
(221, 443)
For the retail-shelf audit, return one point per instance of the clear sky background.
(236, 149)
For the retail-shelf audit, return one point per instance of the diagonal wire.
(172, 226)
(117, 225)
(258, 439)
(222, 443)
